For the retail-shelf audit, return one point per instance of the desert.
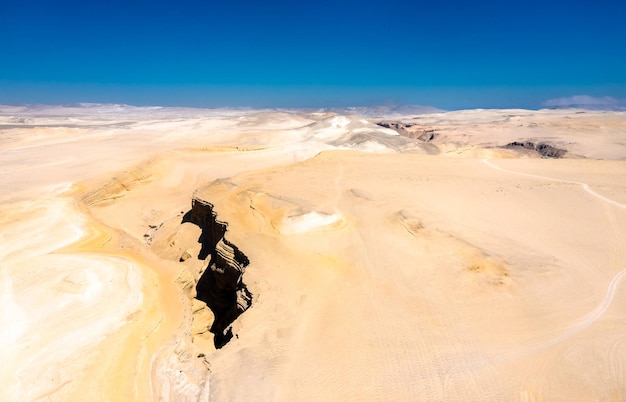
(180, 254)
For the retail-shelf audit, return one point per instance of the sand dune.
(360, 262)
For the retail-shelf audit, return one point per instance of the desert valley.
(175, 254)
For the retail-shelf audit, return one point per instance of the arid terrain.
(169, 254)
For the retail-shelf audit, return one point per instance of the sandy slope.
(381, 268)
(446, 280)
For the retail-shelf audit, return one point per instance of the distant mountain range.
(587, 102)
(386, 111)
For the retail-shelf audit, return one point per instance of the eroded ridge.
(220, 286)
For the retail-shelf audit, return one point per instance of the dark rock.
(220, 286)
(516, 144)
(425, 135)
(545, 150)
(548, 151)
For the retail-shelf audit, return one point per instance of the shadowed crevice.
(220, 286)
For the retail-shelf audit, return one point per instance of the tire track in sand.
(585, 186)
(610, 292)
(574, 329)
(595, 314)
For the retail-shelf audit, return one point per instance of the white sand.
(309, 222)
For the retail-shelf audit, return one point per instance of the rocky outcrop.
(220, 286)
(410, 130)
(401, 128)
(518, 144)
(545, 150)
(548, 151)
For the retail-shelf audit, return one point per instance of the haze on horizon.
(450, 55)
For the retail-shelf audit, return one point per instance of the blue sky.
(454, 54)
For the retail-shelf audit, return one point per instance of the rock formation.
(545, 150)
(410, 130)
(220, 286)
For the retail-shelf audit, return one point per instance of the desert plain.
(367, 255)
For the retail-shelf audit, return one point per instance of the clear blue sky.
(450, 54)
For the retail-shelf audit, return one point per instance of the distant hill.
(386, 111)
